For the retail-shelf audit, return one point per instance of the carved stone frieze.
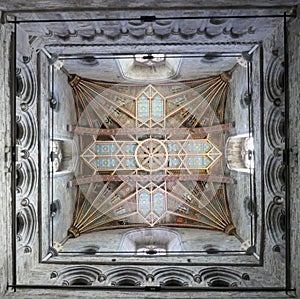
(77, 275)
(222, 277)
(198, 25)
(275, 175)
(26, 82)
(275, 128)
(27, 130)
(26, 225)
(275, 79)
(26, 177)
(160, 29)
(276, 226)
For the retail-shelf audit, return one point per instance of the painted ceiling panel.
(151, 158)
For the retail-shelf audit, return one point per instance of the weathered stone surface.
(294, 93)
(272, 273)
(108, 4)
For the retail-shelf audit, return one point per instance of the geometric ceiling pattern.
(146, 154)
(151, 155)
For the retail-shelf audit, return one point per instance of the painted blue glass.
(158, 203)
(198, 161)
(143, 108)
(157, 108)
(197, 147)
(173, 162)
(104, 149)
(144, 203)
(105, 163)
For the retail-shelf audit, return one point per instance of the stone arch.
(275, 176)
(26, 174)
(140, 67)
(78, 275)
(275, 128)
(173, 276)
(26, 82)
(276, 220)
(275, 78)
(126, 276)
(26, 225)
(239, 151)
(221, 277)
(26, 130)
(158, 238)
(62, 156)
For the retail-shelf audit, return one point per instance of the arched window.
(78, 275)
(126, 276)
(222, 277)
(26, 224)
(239, 153)
(173, 276)
(276, 225)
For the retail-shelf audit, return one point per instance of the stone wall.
(41, 4)
(274, 207)
(51, 273)
(294, 91)
(237, 112)
(5, 159)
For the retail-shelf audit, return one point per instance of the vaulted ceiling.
(148, 129)
(151, 155)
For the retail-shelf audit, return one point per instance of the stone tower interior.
(150, 149)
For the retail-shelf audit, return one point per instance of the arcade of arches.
(150, 151)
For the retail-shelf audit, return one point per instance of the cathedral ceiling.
(145, 135)
(150, 118)
(151, 155)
